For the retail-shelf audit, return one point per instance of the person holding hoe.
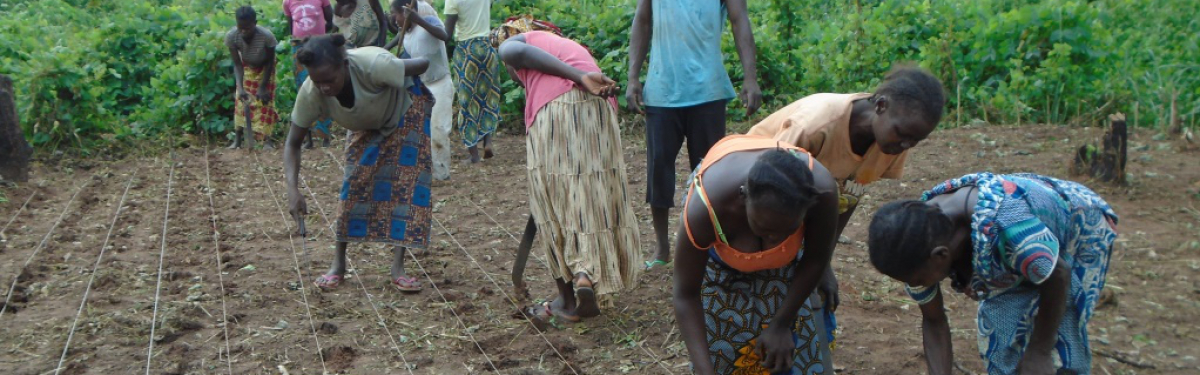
(577, 180)
(422, 35)
(252, 49)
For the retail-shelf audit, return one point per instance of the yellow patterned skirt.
(577, 192)
(263, 116)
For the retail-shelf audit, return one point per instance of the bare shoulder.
(822, 179)
(697, 222)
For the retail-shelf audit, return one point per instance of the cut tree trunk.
(1106, 161)
(14, 150)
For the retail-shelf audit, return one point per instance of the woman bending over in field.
(757, 232)
(576, 171)
(252, 49)
(1033, 250)
(385, 197)
(861, 138)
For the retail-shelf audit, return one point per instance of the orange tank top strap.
(776, 257)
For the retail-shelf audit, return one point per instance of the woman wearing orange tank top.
(861, 138)
(758, 229)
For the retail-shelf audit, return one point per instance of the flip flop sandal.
(651, 264)
(544, 312)
(327, 282)
(407, 284)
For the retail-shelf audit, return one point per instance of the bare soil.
(463, 321)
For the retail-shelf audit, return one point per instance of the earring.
(742, 190)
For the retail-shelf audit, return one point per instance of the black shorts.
(667, 128)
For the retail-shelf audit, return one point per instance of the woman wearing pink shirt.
(308, 18)
(576, 172)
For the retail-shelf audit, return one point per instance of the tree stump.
(14, 150)
(1106, 161)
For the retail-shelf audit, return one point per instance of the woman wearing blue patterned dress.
(1033, 250)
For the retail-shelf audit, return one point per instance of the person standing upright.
(308, 18)
(475, 70)
(686, 89)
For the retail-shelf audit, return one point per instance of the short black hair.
(322, 50)
(913, 87)
(398, 4)
(901, 235)
(246, 13)
(782, 180)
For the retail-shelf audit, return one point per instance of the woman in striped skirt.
(576, 172)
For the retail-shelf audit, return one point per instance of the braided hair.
(902, 233)
(781, 180)
(322, 50)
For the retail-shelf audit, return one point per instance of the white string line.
(614, 324)
(162, 254)
(296, 259)
(506, 296)
(439, 292)
(354, 270)
(95, 270)
(40, 246)
(456, 316)
(14, 217)
(212, 209)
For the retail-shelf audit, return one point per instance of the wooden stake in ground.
(14, 150)
(1106, 161)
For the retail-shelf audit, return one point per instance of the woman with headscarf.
(577, 181)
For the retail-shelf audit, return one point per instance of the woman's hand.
(241, 94)
(828, 288)
(264, 95)
(296, 205)
(598, 84)
(776, 346)
(1036, 363)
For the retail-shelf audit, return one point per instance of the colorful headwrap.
(516, 25)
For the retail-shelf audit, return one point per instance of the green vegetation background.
(99, 74)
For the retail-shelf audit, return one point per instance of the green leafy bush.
(92, 73)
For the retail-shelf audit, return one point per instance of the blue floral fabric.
(1023, 226)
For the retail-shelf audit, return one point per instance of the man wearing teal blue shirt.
(686, 89)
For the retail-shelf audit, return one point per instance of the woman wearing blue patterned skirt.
(1033, 250)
